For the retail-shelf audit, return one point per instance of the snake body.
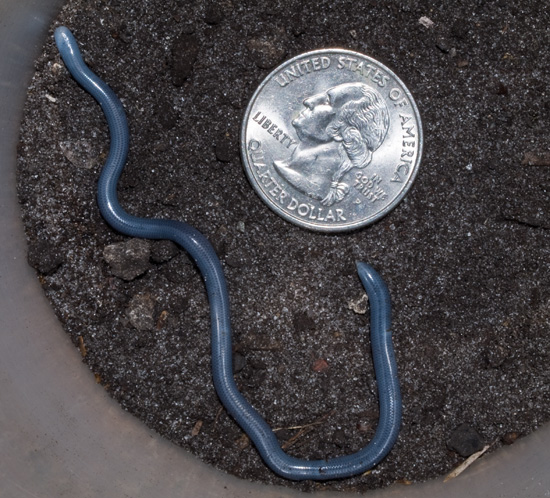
(200, 249)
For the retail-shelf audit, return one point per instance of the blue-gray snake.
(200, 249)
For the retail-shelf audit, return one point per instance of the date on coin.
(331, 140)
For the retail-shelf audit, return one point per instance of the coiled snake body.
(210, 267)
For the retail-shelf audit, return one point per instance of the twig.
(304, 429)
(466, 463)
(214, 426)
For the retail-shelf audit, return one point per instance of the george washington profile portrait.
(338, 131)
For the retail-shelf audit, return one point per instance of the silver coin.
(331, 140)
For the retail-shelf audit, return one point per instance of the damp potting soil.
(465, 254)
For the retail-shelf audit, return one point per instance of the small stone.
(223, 151)
(80, 153)
(510, 437)
(162, 319)
(124, 33)
(320, 365)
(213, 15)
(141, 311)
(363, 426)
(496, 355)
(243, 442)
(163, 251)
(239, 362)
(501, 89)
(255, 379)
(536, 158)
(187, 28)
(128, 260)
(359, 305)
(266, 52)
(302, 322)
(297, 26)
(238, 258)
(442, 44)
(184, 54)
(461, 63)
(465, 440)
(219, 244)
(339, 438)
(44, 257)
(426, 22)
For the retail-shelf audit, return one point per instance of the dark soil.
(465, 255)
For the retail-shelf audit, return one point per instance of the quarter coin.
(331, 140)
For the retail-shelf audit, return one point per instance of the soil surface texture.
(465, 255)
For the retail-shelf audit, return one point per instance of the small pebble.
(243, 442)
(320, 365)
(426, 22)
(128, 260)
(536, 158)
(238, 258)
(339, 438)
(124, 33)
(162, 319)
(213, 15)
(266, 52)
(163, 251)
(363, 426)
(359, 305)
(239, 362)
(80, 153)
(501, 89)
(442, 45)
(465, 440)
(496, 355)
(141, 311)
(44, 256)
(223, 151)
(510, 437)
(302, 322)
